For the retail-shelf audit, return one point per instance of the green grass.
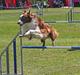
(55, 14)
(36, 61)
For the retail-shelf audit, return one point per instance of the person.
(58, 3)
(45, 4)
(39, 6)
(76, 2)
(1, 5)
(28, 4)
(50, 3)
(4, 4)
(23, 2)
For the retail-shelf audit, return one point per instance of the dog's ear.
(24, 12)
(28, 12)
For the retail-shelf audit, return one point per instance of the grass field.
(49, 61)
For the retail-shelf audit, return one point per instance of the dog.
(36, 27)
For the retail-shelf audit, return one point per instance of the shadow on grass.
(73, 49)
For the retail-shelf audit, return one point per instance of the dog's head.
(24, 18)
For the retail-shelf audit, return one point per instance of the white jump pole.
(52, 47)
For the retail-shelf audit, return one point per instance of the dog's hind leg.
(53, 40)
(53, 43)
(43, 41)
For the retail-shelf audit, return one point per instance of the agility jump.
(32, 21)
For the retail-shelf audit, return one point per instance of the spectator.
(1, 5)
(4, 4)
(58, 3)
(45, 4)
(50, 3)
(76, 3)
(39, 5)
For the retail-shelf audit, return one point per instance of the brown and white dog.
(36, 27)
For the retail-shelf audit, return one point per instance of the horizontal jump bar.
(53, 47)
